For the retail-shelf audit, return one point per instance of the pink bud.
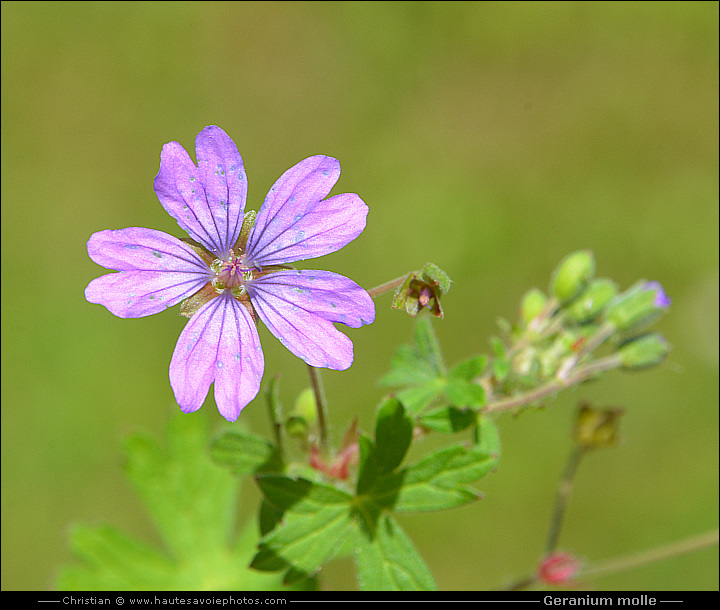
(558, 569)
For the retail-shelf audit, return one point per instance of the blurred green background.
(489, 138)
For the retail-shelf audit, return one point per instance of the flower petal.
(295, 223)
(157, 271)
(331, 296)
(207, 201)
(300, 314)
(220, 343)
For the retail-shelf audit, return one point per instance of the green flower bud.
(532, 304)
(296, 427)
(306, 406)
(590, 304)
(572, 275)
(644, 352)
(638, 306)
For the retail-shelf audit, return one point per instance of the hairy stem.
(520, 584)
(274, 414)
(563, 495)
(387, 286)
(317, 386)
(673, 549)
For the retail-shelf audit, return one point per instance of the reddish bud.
(557, 569)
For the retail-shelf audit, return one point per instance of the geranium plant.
(319, 500)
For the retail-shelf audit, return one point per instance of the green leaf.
(114, 561)
(418, 397)
(299, 495)
(427, 345)
(461, 393)
(437, 482)
(188, 496)
(315, 522)
(401, 492)
(487, 437)
(420, 366)
(501, 363)
(246, 454)
(468, 369)
(393, 434)
(407, 367)
(388, 561)
(501, 368)
(192, 502)
(448, 419)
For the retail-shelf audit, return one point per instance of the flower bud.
(597, 428)
(638, 306)
(532, 304)
(572, 275)
(306, 406)
(590, 304)
(558, 569)
(644, 352)
(296, 427)
(303, 417)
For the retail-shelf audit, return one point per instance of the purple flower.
(232, 271)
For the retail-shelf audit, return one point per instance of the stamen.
(231, 274)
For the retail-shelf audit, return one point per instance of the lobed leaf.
(468, 369)
(114, 562)
(188, 496)
(461, 394)
(427, 345)
(388, 561)
(315, 522)
(393, 434)
(246, 454)
(448, 419)
(193, 503)
(437, 482)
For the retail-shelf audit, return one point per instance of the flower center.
(230, 274)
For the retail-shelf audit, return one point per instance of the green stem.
(520, 584)
(601, 335)
(563, 495)
(317, 386)
(673, 549)
(273, 402)
(387, 286)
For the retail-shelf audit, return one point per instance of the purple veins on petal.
(147, 283)
(296, 223)
(208, 201)
(207, 351)
(328, 295)
(299, 311)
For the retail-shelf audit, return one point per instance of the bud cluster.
(559, 333)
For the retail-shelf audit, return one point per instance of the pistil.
(230, 274)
